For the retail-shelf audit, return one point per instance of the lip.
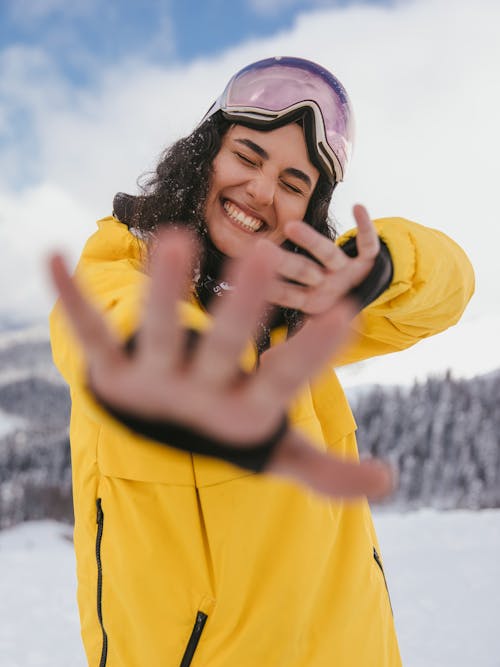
(247, 210)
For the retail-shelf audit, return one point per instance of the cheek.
(227, 172)
(216, 176)
(292, 210)
(224, 172)
(212, 185)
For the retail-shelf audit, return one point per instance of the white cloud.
(32, 225)
(422, 77)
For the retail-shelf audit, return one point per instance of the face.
(260, 181)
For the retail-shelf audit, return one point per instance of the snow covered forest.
(35, 478)
(443, 436)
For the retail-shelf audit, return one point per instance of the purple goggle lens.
(277, 90)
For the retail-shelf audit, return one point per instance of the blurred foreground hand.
(201, 401)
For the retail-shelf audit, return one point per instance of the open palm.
(205, 391)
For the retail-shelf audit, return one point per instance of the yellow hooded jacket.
(184, 560)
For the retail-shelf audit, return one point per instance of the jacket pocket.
(199, 624)
(377, 559)
(100, 528)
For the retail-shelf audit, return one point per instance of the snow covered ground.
(443, 571)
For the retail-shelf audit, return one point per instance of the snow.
(443, 571)
(8, 423)
(39, 623)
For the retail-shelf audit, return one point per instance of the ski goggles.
(276, 91)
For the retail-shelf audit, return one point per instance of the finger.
(297, 267)
(309, 300)
(287, 295)
(289, 366)
(321, 247)
(161, 337)
(328, 475)
(235, 318)
(101, 347)
(367, 240)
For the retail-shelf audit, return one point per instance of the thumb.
(328, 475)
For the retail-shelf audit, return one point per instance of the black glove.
(379, 278)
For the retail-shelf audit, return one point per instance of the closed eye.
(245, 159)
(292, 188)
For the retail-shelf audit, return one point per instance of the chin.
(232, 249)
(232, 243)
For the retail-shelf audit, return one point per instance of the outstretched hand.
(321, 285)
(206, 390)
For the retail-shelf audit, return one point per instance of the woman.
(186, 559)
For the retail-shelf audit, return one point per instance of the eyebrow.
(265, 156)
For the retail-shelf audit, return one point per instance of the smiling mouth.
(246, 222)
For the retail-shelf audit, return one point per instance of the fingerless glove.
(379, 278)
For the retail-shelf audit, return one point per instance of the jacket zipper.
(100, 527)
(379, 563)
(199, 624)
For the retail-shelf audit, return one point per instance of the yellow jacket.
(185, 560)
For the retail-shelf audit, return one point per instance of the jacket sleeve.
(432, 283)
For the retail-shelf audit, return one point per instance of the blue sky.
(82, 33)
(74, 41)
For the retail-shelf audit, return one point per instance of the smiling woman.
(220, 506)
(260, 182)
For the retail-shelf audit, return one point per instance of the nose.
(261, 189)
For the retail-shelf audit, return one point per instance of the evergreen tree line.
(443, 436)
(35, 468)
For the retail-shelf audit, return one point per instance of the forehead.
(285, 144)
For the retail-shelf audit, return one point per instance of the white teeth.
(248, 222)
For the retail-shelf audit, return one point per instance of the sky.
(91, 92)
